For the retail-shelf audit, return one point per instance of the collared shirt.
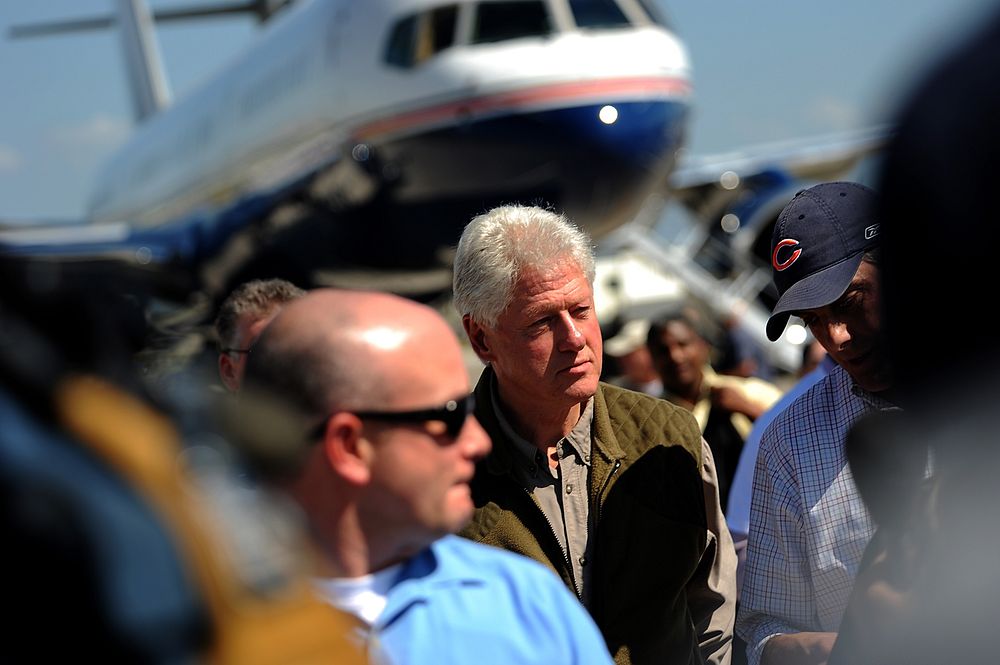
(808, 524)
(738, 507)
(462, 602)
(560, 492)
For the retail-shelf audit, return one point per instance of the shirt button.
(569, 488)
(586, 458)
(583, 561)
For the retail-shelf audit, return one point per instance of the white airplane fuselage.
(466, 115)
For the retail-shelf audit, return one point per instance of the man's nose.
(838, 333)
(676, 353)
(570, 336)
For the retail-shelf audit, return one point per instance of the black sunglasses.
(452, 413)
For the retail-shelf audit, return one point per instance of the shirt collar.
(871, 399)
(524, 450)
(579, 437)
(420, 576)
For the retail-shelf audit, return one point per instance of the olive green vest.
(648, 509)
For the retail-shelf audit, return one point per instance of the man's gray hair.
(259, 297)
(497, 246)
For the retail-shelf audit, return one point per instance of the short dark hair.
(689, 315)
(258, 296)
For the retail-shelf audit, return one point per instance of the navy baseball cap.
(817, 246)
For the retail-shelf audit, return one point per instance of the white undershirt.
(365, 597)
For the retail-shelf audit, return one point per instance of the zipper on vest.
(552, 530)
(604, 487)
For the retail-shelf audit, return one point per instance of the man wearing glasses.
(242, 316)
(383, 483)
(614, 490)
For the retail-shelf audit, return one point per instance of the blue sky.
(765, 70)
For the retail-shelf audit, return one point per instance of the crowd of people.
(362, 502)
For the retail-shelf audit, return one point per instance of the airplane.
(366, 134)
(353, 140)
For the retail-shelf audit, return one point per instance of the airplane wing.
(804, 157)
(698, 181)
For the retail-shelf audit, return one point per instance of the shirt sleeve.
(711, 592)
(777, 595)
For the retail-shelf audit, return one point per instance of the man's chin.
(460, 510)
(874, 381)
(457, 524)
(584, 387)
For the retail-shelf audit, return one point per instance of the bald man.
(384, 484)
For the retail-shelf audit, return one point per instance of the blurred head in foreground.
(931, 590)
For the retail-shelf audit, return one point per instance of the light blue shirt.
(462, 602)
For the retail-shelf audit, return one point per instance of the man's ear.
(227, 372)
(346, 450)
(478, 338)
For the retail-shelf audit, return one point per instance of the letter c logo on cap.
(792, 258)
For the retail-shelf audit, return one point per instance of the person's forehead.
(554, 273)
(429, 356)
(868, 273)
(679, 329)
(561, 281)
(427, 379)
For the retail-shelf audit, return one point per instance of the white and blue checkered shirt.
(808, 524)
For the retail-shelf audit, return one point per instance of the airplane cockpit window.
(499, 21)
(597, 13)
(402, 40)
(417, 38)
(441, 28)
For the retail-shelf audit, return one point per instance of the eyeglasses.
(235, 350)
(452, 413)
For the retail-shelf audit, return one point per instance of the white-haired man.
(614, 490)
